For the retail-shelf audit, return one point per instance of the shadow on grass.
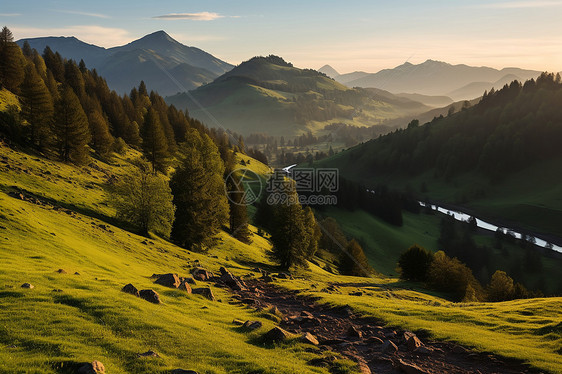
(4, 294)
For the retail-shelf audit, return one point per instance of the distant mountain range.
(165, 65)
(269, 95)
(434, 78)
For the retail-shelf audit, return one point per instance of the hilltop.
(269, 95)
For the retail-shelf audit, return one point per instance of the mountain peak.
(329, 71)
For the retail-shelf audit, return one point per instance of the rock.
(423, 350)
(410, 368)
(276, 334)
(333, 341)
(27, 285)
(308, 338)
(389, 347)
(168, 280)
(94, 367)
(129, 288)
(149, 353)
(252, 325)
(205, 292)
(304, 313)
(363, 367)
(374, 340)
(353, 332)
(182, 371)
(237, 322)
(61, 271)
(150, 295)
(202, 274)
(413, 343)
(231, 281)
(184, 286)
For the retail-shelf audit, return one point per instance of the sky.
(365, 35)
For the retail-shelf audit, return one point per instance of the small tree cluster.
(414, 264)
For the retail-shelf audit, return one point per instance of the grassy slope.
(7, 98)
(91, 319)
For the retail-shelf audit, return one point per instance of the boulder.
(27, 285)
(61, 271)
(353, 332)
(168, 280)
(308, 338)
(202, 274)
(184, 286)
(413, 343)
(276, 335)
(205, 292)
(150, 295)
(252, 325)
(231, 281)
(389, 347)
(129, 288)
(94, 367)
(237, 322)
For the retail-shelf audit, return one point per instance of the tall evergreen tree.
(12, 61)
(238, 212)
(37, 107)
(198, 189)
(101, 138)
(314, 231)
(71, 127)
(154, 142)
(354, 261)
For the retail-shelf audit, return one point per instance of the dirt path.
(366, 341)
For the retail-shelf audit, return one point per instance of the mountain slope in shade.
(349, 77)
(476, 89)
(329, 71)
(433, 101)
(435, 78)
(152, 58)
(269, 95)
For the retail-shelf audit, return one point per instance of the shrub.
(414, 264)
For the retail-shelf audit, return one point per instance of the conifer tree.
(101, 138)
(37, 107)
(198, 189)
(71, 128)
(54, 63)
(239, 228)
(354, 261)
(12, 61)
(154, 142)
(314, 231)
(26, 50)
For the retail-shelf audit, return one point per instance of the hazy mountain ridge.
(435, 78)
(143, 59)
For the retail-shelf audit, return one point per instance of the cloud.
(96, 15)
(521, 5)
(201, 16)
(94, 34)
(10, 14)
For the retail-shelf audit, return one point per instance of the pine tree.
(239, 228)
(54, 63)
(26, 50)
(354, 261)
(314, 231)
(101, 138)
(37, 107)
(12, 62)
(71, 127)
(198, 189)
(154, 142)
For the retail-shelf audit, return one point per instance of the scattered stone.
(129, 288)
(413, 343)
(184, 286)
(374, 340)
(252, 325)
(389, 347)
(205, 292)
(150, 296)
(149, 353)
(61, 271)
(333, 341)
(76, 273)
(237, 322)
(27, 285)
(304, 313)
(308, 338)
(202, 274)
(423, 350)
(353, 332)
(276, 334)
(94, 367)
(231, 281)
(410, 368)
(168, 280)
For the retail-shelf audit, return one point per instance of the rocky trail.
(376, 348)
